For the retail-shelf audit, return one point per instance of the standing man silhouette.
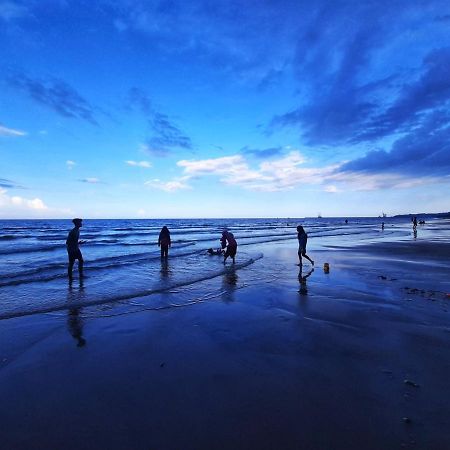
(73, 249)
(164, 241)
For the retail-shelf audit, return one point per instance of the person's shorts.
(73, 255)
(231, 251)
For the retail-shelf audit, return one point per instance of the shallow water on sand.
(123, 267)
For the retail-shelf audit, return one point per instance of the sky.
(255, 108)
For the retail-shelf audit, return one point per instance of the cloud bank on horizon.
(176, 108)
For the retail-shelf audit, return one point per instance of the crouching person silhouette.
(231, 248)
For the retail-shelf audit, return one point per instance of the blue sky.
(223, 109)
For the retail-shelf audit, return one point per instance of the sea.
(124, 271)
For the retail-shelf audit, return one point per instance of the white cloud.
(141, 212)
(213, 165)
(13, 206)
(20, 207)
(35, 203)
(168, 186)
(11, 132)
(145, 164)
(289, 172)
(276, 175)
(70, 164)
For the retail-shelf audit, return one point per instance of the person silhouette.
(164, 241)
(73, 249)
(231, 248)
(302, 240)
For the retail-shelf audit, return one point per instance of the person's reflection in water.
(74, 319)
(229, 284)
(75, 325)
(302, 280)
(165, 269)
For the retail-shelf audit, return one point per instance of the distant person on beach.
(164, 241)
(302, 240)
(414, 222)
(73, 249)
(382, 225)
(229, 243)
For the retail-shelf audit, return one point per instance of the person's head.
(165, 229)
(300, 229)
(224, 233)
(78, 222)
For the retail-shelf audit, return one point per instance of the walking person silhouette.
(302, 240)
(73, 249)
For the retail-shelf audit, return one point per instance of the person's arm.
(159, 240)
(170, 241)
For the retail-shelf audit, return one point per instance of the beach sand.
(357, 358)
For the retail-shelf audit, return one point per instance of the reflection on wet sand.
(74, 317)
(165, 270)
(229, 284)
(75, 326)
(302, 280)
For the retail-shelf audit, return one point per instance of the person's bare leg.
(308, 258)
(80, 266)
(69, 269)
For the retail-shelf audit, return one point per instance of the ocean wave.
(129, 295)
(241, 238)
(41, 274)
(34, 249)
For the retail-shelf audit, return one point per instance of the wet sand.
(357, 358)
